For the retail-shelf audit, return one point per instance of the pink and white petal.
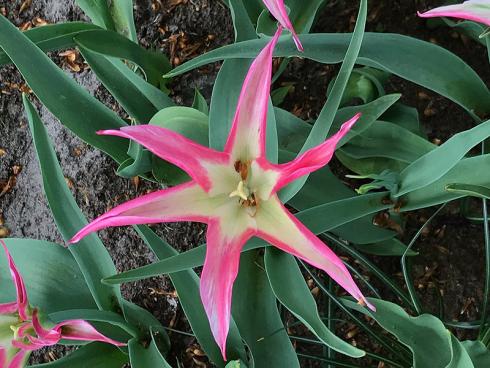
(475, 10)
(19, 360)
(48, 337)
(175, 148)
(83, 331)
(246, 140)
(218, 275)
(278, 10)
(22, 302)
(309, 161)
(8, 308)
(279, 227)
(185, 202)
(33, 344)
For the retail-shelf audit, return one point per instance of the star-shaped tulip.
(475, 10)
(22, 332)
(235, 193)
(278, 10)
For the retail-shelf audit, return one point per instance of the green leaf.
(53, 36)
(51, 275)
(330, 215)
(323, 124)
(146, 323)
(94, 355)
(302, 14)
(390, 247)
(122, 13)
(289, 286)
(415, 60)
(293, 131)
(469, 190)
(236, 364)
(263, 332)
(228, 83)
(479, 354)
(460, 358)
(471, 170)
(75, 107)
(369, 166)
(90, 254)
(438, 162)
(425, 335)
(278, 95)
(140, 99)
(109, 43)
(141, 357)
(200, 103)
(186, 284)
(98, 12)
(405, 117)
(176, 263)
(383, 139)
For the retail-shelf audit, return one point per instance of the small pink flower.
(475, 10)
(235, 193)
(278, 10)
(21, 331)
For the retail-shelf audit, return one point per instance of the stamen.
(242, 169)
(242, 191)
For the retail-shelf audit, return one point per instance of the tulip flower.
(475, 10)
(21, 330)
(278, 10)
(235, 193)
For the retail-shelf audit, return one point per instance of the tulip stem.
(398, 351)
(405, 266)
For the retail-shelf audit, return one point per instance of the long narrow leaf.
(91, 255)
(438, 162)
(322, 126)
(53, 36)
(71, 104)
(415, 60)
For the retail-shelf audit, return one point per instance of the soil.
(451, 248)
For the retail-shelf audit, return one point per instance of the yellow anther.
(242, 191)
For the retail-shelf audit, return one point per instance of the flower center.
(246, 198)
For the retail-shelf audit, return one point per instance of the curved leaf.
(52, 277)
(425, 335)
(140, 99)
(433, 165)
(469, 190)
(470, 170)
(141, 357)
(415, 60)
(71, 104)
(53, 36)
(289, 286)
(98, 12)
(254, 309)
(109, 43)
(94, 355)
(323, 124)
(91, 255)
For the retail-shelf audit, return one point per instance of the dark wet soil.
(450, 264)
